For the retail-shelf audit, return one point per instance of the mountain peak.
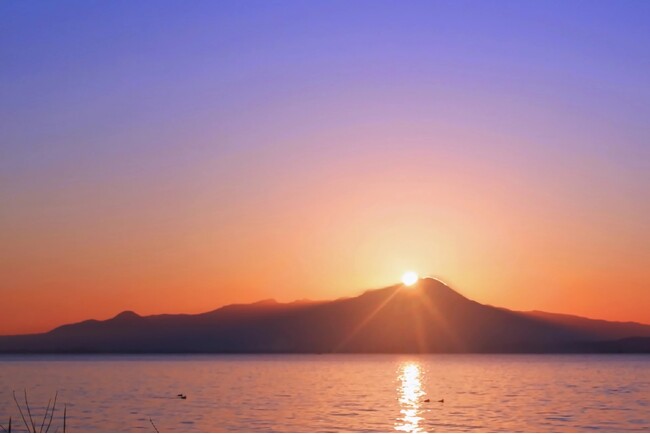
(426, 288)
(127, 314)
(428, 316)
(437, 288)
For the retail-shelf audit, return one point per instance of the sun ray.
(439, 318)
(419, 329)
(365, 321)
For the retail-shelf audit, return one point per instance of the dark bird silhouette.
(181, 396)
(441, 400)
(427, 400)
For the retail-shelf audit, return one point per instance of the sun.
(409, 278)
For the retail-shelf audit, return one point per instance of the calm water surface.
(335, 392)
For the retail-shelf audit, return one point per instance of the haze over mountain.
(427, 317)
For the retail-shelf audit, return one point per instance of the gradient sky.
(178, 156)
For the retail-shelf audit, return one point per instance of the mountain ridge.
(429, 317)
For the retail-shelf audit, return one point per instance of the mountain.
(428, 317)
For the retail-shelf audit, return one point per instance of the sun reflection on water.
(410, 394)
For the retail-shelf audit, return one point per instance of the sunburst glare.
(409, 278)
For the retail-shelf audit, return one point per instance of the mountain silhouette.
(428, 317)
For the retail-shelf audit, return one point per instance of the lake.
(334, 392)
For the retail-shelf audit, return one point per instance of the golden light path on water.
(410, 395)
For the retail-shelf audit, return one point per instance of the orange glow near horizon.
(329, 233)
(328, 200)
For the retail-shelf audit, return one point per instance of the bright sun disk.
(409, 278)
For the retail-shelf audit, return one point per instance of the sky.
(176, 156)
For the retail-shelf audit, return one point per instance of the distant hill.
(429, 317)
